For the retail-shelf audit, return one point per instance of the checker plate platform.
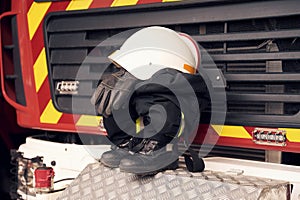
(99, 182)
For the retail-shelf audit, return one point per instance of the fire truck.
(52, 52)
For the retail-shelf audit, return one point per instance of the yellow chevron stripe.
(40, 70)
(50, 115)
(79, 4)
(292, 134)
(123, 3)
(232, 131)
(88, 120)
(35, 16)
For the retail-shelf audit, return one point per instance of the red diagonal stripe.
(101, 3)
(37, 42)
(44, 95)
(28, 4)
(68, 119)
(148, 1)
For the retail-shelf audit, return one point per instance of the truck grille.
(255, 44)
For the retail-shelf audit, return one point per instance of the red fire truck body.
(25, 50)
(254, 44)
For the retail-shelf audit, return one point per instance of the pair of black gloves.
(115, 89)
(113, 92)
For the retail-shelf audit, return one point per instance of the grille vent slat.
(257, 50)
(247, 36)
(71, 40)
(71, 73)
(256, 56)
(262, 77)
(69, 56)
(234, 96)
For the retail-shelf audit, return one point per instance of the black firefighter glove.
(113, 90)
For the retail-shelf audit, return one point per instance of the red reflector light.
(44, 179)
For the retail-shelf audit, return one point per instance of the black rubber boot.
(151, 159)
(112, 158)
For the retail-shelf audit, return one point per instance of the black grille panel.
(257, 49)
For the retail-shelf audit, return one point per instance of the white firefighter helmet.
(153, 48)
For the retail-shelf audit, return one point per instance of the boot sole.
(109, 164)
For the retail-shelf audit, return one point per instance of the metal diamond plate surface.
(102, 183)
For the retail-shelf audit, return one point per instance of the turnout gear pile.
(157, 85)
(135, 152)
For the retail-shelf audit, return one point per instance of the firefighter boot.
(152, 158)
(113, 157)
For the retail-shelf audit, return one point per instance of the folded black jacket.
(162, 101)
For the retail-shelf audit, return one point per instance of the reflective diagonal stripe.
(88, 120)
(231, 131)
(35, 16)
(79, 4)
(292, 134)
(138, 125)
(123, 2)
(40, 70)
(50, 115)
(182, 125)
